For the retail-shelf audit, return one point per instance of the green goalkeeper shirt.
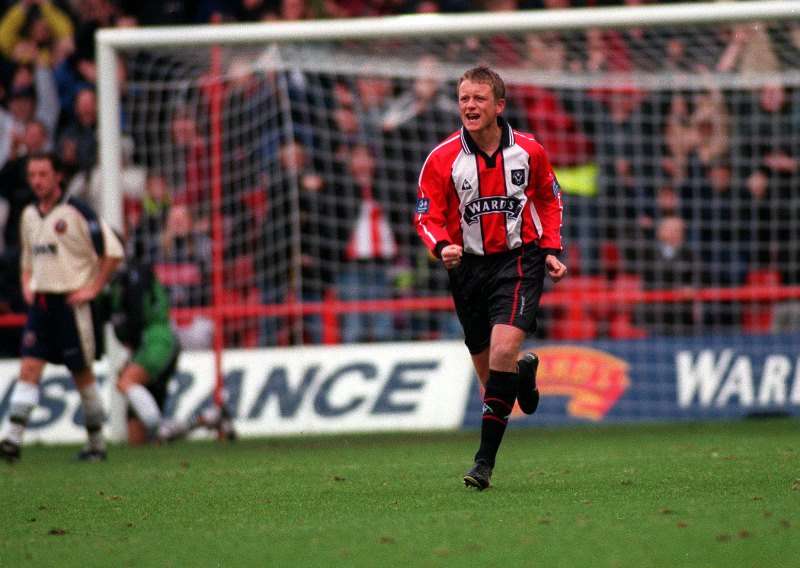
(136, 302)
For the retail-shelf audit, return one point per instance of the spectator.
(14, 187)
(183, 265)
(623, 124)
(417, 119)
(763, 222)
(146, 241)
(187, 161)
(31, 31)
(78, 70)
(426, 103)
(678, 138)
(371, 97)
(749, 51)
(712, 208)
(769, 150)
(82, 130)
(315, 230)
(711, 123)
(32, 96)
(88, 184)
(670, 264)
(366, 245)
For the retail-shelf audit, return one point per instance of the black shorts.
(59, 333)
(502, 288)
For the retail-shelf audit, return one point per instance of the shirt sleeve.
(113, 246)
(430, 213)
(547, 198)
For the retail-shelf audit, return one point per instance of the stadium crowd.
(687, 187)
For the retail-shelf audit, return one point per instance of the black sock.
(498, 401)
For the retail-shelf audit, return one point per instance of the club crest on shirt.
(518, 177)
(423, 205)
(474, 210)
(61, 226)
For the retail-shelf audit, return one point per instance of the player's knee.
(123, 385)
(131, 375)
(31, 370)
(84, 378)
(504, 356)
(126, 381)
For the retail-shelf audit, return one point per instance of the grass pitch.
(722, 494)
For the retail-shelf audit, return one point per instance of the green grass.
(722, 494)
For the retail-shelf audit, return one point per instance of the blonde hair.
(483, 74)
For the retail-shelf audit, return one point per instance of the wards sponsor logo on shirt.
(510, 206)
(48, 249)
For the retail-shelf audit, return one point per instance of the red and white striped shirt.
(489, 204)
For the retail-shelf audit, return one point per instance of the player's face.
(43, 179)
(478, 107)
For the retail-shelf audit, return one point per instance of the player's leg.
(24, 399)
(77, 349)
(213, 417)
(527, 393)
(513, 285)
(498, 400)
(481, 363)
(93, 415)
(131, 383)
(529, 294)
(35, 350)
(467, 285)
(144, 380)
(137, 433)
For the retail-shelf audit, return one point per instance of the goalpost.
(272, 140)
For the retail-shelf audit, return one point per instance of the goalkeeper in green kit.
(137, 305)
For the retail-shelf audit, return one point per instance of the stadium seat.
(620, 324)
(575, 318)
(757, 316)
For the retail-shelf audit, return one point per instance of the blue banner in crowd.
(663, 379)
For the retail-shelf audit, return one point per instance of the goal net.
(282, 162)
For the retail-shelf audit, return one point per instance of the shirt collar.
(506, 137)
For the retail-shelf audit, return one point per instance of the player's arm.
(430, 213)
(109, 250)
(547, 199)
(89, 292)
(27, 293)
(25, 260)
